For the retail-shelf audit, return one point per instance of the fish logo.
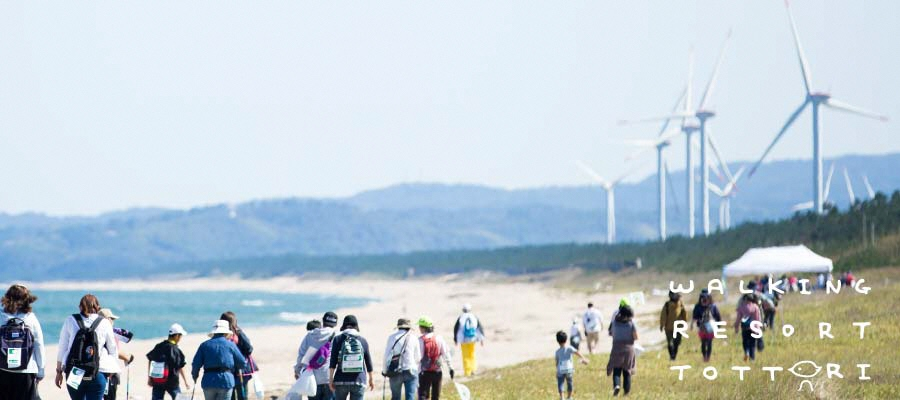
(805, 369)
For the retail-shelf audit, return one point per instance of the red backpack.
(431, 360)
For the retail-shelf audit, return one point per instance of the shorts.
(564, 378)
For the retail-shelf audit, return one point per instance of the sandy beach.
(520, 320)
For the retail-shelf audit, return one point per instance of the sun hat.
(467, 307)
(108, 314)
(426, 322)
(403, 323)
(221, 326)
(177, 329)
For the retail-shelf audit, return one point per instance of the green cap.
(425, 322)
(624, 302)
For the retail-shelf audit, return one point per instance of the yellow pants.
(468, 358)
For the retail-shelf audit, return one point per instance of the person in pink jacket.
(747, 312)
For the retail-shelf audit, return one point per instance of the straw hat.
(221, 326)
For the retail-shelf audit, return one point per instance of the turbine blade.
(671, 187)
(715, 150)
(590, 172)
(712, 80)
(784, 129)
(828, 183)
(624, 175)
(639, 152)
(804, 66)
(715, 189)
(868, 187)
(657, 119)
(849, 187)
(665, 124)
(689, 100)
(840, 105)
(807, 205)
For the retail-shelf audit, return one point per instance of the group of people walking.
(415, 357)
(91, 357)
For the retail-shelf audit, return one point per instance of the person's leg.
(626, 378)
(395, 383)
(468, 356)
(411, 385)
(617, 373)
(760, 345)
(157, 393)
(559, 384)
(358, 393)
(112, 386)
(436, 385)
(677, 342)
(173, 392)
(341, 393)
(423, 385)
(17, 386)
(670, 344)
(93, 390)
(570, 387)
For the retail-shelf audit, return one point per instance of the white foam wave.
(296, 317)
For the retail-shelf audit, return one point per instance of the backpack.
(470, 327)
(431, 360)
(16, 345)
(322, 355)
(84, 353)
(352, 355)
(706, 320)
(393, 367)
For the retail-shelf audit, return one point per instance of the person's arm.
(333, 362)
(634, 333)
(737, 319)
(240, 363)
(367, 357)
(456, 332)
(111, 348)
(715, 313)
(301, 352)
(445, 356)
(388, 351)
(184, 379)
(197, 364)
(663, 316)
(244, 343)
(583, 359)
(682, 316)
(65, 344)
(331, 378)
(39, 351)
(480, 329)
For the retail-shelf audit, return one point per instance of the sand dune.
(520, 319)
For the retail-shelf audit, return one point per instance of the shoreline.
(520, 319)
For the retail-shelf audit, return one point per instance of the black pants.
(17, 386)
(672, 343)
(622, 372)
(430, 385)
(706, 348)
(769, 318)
(113, 386)
(749, 343)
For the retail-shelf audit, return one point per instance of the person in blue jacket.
(220, 360)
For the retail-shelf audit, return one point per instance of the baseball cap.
(330, 319)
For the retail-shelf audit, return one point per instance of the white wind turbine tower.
(702, 113)
(726, 194)
(610, 187)
(813, 99)
(662, 141)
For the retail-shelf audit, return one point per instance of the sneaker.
(746, 357)
(616, 391)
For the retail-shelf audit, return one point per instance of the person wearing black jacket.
(350, 383)
(168, 353)
(243, 344)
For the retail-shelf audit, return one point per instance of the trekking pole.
(383, 388)
(128, 384)
(193, 389)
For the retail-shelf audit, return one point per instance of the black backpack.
(16, 345)
(84, 353)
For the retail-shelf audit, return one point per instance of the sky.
(112, 105)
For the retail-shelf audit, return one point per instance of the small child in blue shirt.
(565, 367)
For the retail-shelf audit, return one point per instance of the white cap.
(177, 329)
(467, 307)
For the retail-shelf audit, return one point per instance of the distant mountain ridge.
(397, 219)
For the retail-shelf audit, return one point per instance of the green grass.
(654, 379)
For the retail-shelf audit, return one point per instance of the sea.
(149, 313)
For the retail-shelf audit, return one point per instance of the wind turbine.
(808, 205)
(610, 187)
(868, 187)
(850, 193)
(702, 113)
(813, 99)
(726, 194)
(663, 140)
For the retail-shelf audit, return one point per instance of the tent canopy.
(777, 260)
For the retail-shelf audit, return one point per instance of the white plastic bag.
(638, 350)
(305, 386)
(258, 387)
(462, 391)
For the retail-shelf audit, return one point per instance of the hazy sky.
(109, 105)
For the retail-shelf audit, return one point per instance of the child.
(166, 363)
(313, 325)
(565, 368)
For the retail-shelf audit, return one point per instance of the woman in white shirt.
(18, 377)
(93, 383)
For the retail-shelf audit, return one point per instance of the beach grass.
(655, 380)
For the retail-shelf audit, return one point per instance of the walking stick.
(128, 384)
(193, 389)
(383, 389)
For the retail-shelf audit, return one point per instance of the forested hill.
(422, 219)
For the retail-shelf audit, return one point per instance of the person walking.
(22, 368)
(673, 310)
(575, 334)
(78, 364)
(221, 360)
(110, 366)
(621, 363)
(165, 363)
(747, 312)
(239, 338)
(565, 368)
(402, 355)
(315, 354)
(593, 324)
(350, 369)
(704, 314)
(435, 356)
(468, 331)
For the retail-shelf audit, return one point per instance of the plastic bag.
(638, 349)
(463, 391)
(258, 387)
(305, 386)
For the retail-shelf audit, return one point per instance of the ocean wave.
(296, 317)
(261, 303)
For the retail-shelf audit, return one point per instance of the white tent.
(777, 260)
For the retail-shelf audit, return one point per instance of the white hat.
(467, 307)
(221, 326)
(108, 314)
(177, 329)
